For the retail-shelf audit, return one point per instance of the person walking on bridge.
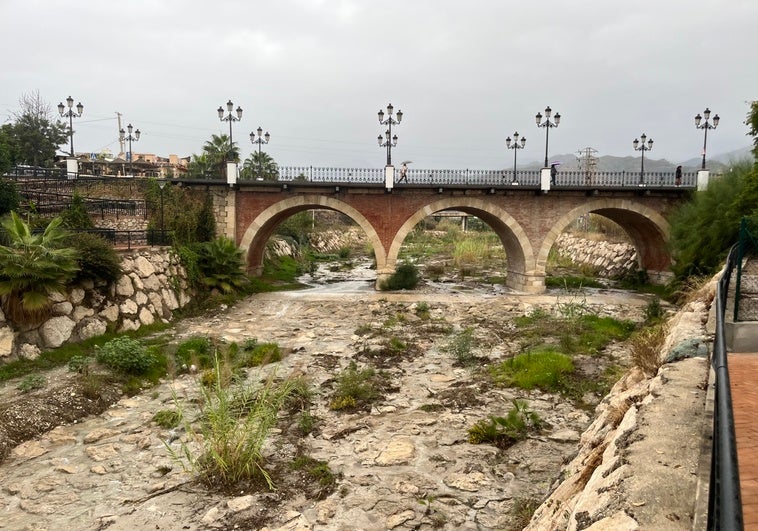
(403, 173)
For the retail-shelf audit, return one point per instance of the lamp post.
(639, 145)
(162, 185)
(70, 113)
(130, 138)
(261, 139)
(547, 124)
(515, 146)
(705, 126)
(389, 141)
(230, 118)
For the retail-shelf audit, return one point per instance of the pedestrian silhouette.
(403, 173)
(553, 173)
(678, 176)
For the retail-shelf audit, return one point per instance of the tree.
(260, 164)
(752, 123)
(8, 150)
(32, 266)
(9, 197)
(212, 161)
(703, 229)
(35, 134)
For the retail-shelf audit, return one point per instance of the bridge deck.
(743, 375)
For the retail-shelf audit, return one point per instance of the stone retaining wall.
(153, 285)
(638, 463)
(607, 259)
(121, 224)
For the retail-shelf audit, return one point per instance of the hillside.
(717, 162)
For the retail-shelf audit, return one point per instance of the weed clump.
(543, 368)
(356, 388)
(505, 431)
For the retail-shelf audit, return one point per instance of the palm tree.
(32, 266)
(218, 150)
(260, 164)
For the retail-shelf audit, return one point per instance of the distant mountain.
(570, 162)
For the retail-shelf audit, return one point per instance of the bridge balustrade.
(427, 177)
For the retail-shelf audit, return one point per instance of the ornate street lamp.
(547, 124)
(639, 145)
(705, 126)
(515, 146)
(70, 114)
(261, 139)
(162, 185)
(230, 118)
(130, 138)
(389, 141)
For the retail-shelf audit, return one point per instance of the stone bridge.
(528, 219)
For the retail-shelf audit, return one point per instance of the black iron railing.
(724, 499)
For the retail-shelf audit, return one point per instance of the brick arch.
(518, 248)
(647, 228)
(253, 242)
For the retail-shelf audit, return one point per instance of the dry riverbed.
(403, 463)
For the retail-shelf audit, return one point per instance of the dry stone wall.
(152, 287)
(607, 258)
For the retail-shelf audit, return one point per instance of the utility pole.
(121, 140)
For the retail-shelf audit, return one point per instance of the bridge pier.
(525, 282)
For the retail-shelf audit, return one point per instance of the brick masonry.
(528, 222)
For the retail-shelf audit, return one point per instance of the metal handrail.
(724, 498)
(567, 179)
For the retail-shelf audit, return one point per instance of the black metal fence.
(440, 177)
(724, 498)
(568, 178)
(748, 244)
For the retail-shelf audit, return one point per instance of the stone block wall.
(152, 287)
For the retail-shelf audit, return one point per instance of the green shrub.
(32, 266)
(654, 311)
(422, 311)
(97, 258)
(543, 369)
(76, 215)
(9, 198)
(30, 382)
(125, 355)
(355, 388)
(221, 266)
(460, 347)
(504, 431)
(80, 364)
(195, 351)
(405, 277)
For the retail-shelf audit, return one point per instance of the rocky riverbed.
(403, 464)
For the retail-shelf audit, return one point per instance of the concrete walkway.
(743, 375)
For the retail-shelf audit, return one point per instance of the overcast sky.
(314, 73)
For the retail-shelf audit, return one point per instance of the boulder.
(56, 331)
